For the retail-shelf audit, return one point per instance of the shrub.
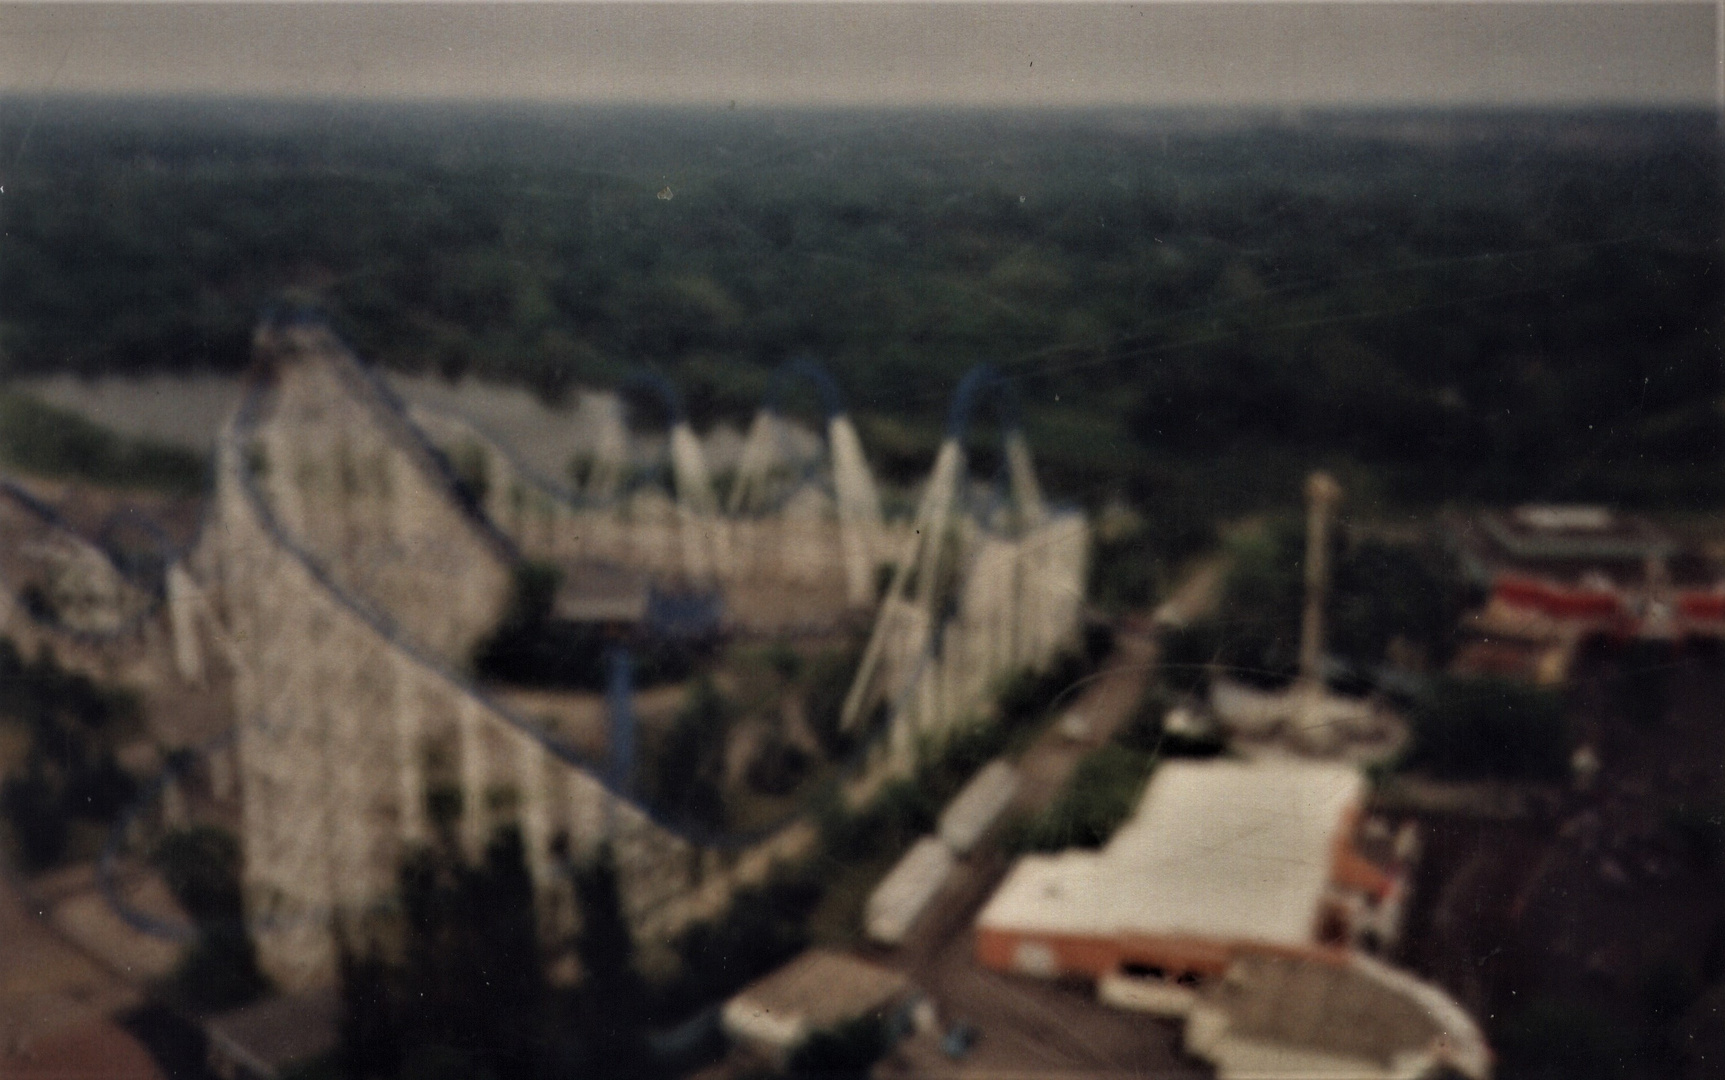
(36, 814)
(687, 772)
(220, 970)
(1144, 731)
(762, 929)
(1028, 696)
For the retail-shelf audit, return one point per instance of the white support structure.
(706, 552)
(858, 508)
(610, 465)
(967, 606)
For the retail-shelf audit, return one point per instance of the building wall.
(1095, 956)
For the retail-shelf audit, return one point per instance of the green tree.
(202, 868)
(468, 997)
(1478, 728)
(36, 814)
(369, 1037)
(609, 1001)
(688, 767)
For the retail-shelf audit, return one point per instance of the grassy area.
(1100, 794)
(53, 442)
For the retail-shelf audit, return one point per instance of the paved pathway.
(1028, 1027)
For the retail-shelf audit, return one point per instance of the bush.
(220, 971)
(1472, 729)
(1641, 688)
(1144, 731)
(1029, 695)
(687, 772)
(1551, 1038)
(202, 868)
(903, 810)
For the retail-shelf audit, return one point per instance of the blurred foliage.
(1187, 655)
(845, 1052)
(464, 993)
(1379, 592)
(1100, 794)
(1145, 729)
(1486, 728)
(685, 773)
(762, 928)
(48, 441)
(1641, 683)
(69, 771)
(1489, 306)
(202, 868)
(828, 682)
(1552, 1038)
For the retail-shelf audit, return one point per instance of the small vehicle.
(959, 1038)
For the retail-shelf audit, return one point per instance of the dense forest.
(1194, 307)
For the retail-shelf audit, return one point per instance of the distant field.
(182, 410)
(188, 411)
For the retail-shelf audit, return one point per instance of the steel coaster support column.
(920, 556)
(755, 463)
(535, 809)
(858, 509)
(704, 549)
(1026, 492)
(620, 706)
(1322, 494)
(183, 602)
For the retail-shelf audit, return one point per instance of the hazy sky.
(1393, 52)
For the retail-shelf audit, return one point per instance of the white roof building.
(1218, 854)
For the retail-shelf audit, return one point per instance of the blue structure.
(620, 702)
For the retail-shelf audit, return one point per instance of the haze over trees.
(1194, 307)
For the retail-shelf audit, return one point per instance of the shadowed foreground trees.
(465, 994)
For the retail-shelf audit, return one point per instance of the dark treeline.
(1478, 306)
